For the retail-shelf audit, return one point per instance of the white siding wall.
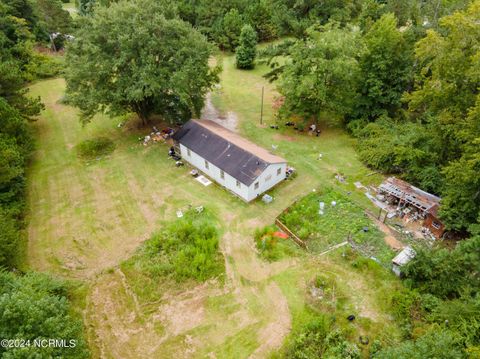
(247, 193)
(267, 180)
(214, 173)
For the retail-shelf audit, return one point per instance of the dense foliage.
(320, 339)
(184, 249)
(115, 65)
(446, 273)
(322, 73)
(35, 307)
(407, 90)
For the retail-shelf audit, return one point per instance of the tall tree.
(145, 64)
(247, 50)
(51, 16)
(447, 99)
(228, 30)
(387, 68)
(323, 72)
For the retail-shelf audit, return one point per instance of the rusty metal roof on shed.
(240, 158)
(415, 196)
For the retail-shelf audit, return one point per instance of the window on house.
(206, 164)
(238, 183)
(188, 152)
(436, 225)
(222, 174)
(268, 178)
(256, 185)
(279, 172)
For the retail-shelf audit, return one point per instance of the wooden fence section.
(290, 233)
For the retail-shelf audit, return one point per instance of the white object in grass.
(179, 214)
(203, 180)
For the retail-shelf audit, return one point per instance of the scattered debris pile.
(412, 204)
(157, 135)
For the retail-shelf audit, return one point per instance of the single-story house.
(401, 259)
(235, 163)
(426, 204)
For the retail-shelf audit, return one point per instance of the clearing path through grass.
(87, 218)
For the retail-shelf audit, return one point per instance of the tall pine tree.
(246, 51)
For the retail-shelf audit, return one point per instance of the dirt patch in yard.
(209, 112)
(271, 336)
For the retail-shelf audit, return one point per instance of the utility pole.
(261, 108)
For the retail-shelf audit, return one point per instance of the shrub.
(96, 147)
(185, 249)
(246, 51)
(436, 344)
(320, 339)
(270, 247)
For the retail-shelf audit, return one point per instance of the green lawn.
(86, 218)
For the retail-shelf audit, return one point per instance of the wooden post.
(261, 107)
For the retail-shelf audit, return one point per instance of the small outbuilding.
(401, 259)
(235, 163)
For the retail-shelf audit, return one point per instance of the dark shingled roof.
(241, 159)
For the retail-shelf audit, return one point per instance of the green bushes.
(320, 339)
(9, 239)
(95, 147)
(185, 249)
(445, 273)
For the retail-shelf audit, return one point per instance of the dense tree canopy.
(323, 72)
(144, 64)
(35, 306)
(386, 68)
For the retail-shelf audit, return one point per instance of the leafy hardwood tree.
(387, 68)
(247, 50)
(323, 73)
(145, 64)
(51, 16)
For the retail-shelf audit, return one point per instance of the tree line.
(32, 306)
